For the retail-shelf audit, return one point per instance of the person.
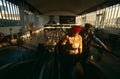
(70, 50)
(72, 42)
(1, 36)
(89, 36)
(31, 29)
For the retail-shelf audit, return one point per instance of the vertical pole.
(21, 11)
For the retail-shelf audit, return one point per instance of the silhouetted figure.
(31, 28)
(89, 36)
(1, 36)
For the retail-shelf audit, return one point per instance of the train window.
(67, 19)
(9, 13)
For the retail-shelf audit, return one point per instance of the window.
(67, 19)
(9, 14)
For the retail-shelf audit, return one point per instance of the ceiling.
(66, 7)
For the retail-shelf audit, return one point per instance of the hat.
(88, 25)
(76, 29)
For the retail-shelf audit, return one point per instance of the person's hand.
(107, 49)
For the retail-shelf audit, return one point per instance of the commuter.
(1, 36)
(31, 28)
(70, 49)
(72, 42)
(89, 37)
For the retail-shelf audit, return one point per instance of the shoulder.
(79, 37)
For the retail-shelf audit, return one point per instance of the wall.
(44, 20)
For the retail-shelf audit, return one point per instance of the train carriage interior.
(30, 31)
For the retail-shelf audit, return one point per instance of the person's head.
(88, 27)
(31, 23)
(75, 29)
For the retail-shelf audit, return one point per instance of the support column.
(22, 23)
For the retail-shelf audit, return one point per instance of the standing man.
(88, 36)
(70, 51)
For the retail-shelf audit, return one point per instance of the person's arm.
(64, 40)
(61, 45)
(100, 42)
